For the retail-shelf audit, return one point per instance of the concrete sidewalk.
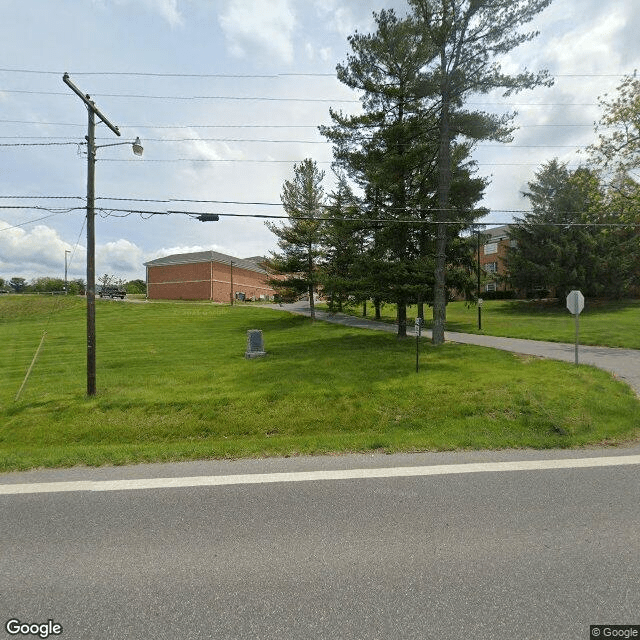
(622, 363)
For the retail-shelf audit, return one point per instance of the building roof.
(249, 264)
(497, 233)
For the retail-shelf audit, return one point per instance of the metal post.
(231, 292)
(479, 304)
(418, 332)
(91, 256)
(66, 280)
(577, 314)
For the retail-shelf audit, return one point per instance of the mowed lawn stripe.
(173, 384)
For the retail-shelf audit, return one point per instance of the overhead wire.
(244, 203)
(112, 211)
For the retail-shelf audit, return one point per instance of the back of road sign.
(575, 302)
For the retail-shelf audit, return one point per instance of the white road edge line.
(309, 476)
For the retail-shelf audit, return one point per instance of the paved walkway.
(622, 363)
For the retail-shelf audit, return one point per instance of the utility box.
(255, 344)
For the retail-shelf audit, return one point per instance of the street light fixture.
(137, 147)
(91, 214)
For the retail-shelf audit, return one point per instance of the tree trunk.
(402, 319)
(378, 305)
(312, 305)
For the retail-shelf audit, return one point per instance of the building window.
(490, 286)
(490, 248)
(491, 267)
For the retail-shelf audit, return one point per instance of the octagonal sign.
(575, 302)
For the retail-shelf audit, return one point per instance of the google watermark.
(41, 629)
(598, 631)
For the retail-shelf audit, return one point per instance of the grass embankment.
(173, 385)
(602, 323)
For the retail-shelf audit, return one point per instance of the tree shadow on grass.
(372, 357)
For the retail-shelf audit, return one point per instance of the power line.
(24, 224)
(183, 98)
(113, 210)
(236, 202)
(160, 74)
(38, 144)
(278, 99)
(251, 126)
(294, 161)
(171, 75)
(270, 141)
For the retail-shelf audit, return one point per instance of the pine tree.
(344, 239)
(468, 37)
(554, 249)
(300, 237)
(390, 151)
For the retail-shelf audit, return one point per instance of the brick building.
(492, 257)
(207, 275)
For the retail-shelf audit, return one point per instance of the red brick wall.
(204, 281)
(499, 258)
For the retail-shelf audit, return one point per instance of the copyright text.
(598, 631)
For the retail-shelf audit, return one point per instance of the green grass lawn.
(603, 323)
(173, 384)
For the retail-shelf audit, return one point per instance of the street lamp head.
(137, 147)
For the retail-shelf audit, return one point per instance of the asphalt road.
(541, 553)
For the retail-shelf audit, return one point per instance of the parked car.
(112, 292)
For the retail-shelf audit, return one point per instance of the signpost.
(575, 304)
(418, 333)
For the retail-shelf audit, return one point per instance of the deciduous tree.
(618, 147)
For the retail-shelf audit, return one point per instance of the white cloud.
(347, 16)
(591, 50)
(265, 28)
(121, 258)
(168, 9)
(40, 252)
(170, 251)
(34, 253)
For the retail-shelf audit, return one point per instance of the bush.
(498, 295)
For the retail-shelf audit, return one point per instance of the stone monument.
(255, 344)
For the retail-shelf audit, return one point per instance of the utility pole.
(91, 237)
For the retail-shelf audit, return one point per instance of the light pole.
(66, 283)
(91, 236)
(478, 271)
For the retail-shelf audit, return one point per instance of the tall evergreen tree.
(300, 237)
(391, 152)
(386, 149)
(468, 37)
(553, 248)
(345, 239)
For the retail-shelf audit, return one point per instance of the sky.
(226, 95)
